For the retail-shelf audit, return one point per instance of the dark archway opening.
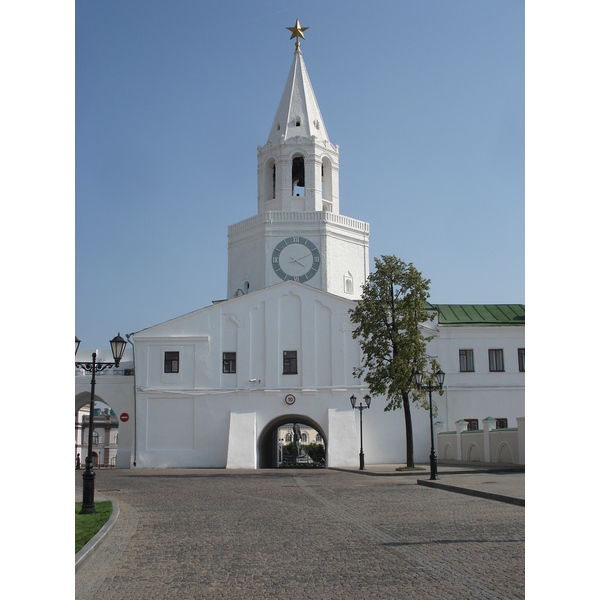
(298, 176)
(269, 443)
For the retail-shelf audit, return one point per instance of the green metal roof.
(480, 314)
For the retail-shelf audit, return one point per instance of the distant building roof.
(481, 314)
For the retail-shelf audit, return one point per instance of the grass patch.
(87, 526)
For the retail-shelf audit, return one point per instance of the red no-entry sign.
(124, 417)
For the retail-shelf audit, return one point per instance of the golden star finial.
(297, 32)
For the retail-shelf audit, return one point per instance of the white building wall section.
(187, 422)
(321, 352)
(241, 452)
(343, 436)
(256, 345)
(480, 394)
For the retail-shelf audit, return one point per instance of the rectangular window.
(290, 362)
(496, 360)
(228, 362)
(472, 424)
(467, 365)
(501, 423)
(171, 362)
(522, 360)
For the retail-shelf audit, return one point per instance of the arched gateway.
(268, 443)
(105, 431)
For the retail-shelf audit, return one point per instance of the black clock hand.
(297, 260)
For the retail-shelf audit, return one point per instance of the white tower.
(298, 233)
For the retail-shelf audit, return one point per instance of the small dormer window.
(278, 126)
(298, 121)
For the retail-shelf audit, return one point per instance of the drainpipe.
(128, 335)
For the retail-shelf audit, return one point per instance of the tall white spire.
(298, 113)
(298, 166)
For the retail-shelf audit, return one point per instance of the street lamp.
(360, 407)
(117, 345)
(430, 387)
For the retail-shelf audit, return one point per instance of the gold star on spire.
(297, 32)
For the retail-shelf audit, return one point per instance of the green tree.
(389, 318)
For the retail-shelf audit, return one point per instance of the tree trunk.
(410, 453)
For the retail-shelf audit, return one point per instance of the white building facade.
(214, 387)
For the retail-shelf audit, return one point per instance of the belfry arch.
(268, 443)
(270, 184)
(298, 176)
(327, 184)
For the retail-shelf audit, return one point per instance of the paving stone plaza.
(300, 534)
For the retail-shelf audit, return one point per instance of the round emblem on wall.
(290, 399)
(296, 259)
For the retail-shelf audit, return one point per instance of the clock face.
(296, 258)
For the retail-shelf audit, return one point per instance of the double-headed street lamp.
(360, 407)
(117, 345)
(430, 387)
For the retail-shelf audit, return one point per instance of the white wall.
(184, 419)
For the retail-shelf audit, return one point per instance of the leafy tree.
(389, 318)
(316, 451)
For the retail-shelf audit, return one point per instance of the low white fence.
(482, 445)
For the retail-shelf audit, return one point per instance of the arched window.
(348, 283)
(298, 176)
(288, 437)
(326, 184)
(270, 180)
(305, 438)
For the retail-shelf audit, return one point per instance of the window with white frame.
(521, 356)
(472, 424)
(171, 362)
(467, 364)
(290, 362)
(228, 362)
(496, 358)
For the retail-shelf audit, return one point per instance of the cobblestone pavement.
(299, 534)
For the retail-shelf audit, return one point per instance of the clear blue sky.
(426, 101)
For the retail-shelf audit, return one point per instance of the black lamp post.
(430, 387)
(360, 407)
(117, 345)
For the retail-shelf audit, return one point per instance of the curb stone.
(470, 492)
